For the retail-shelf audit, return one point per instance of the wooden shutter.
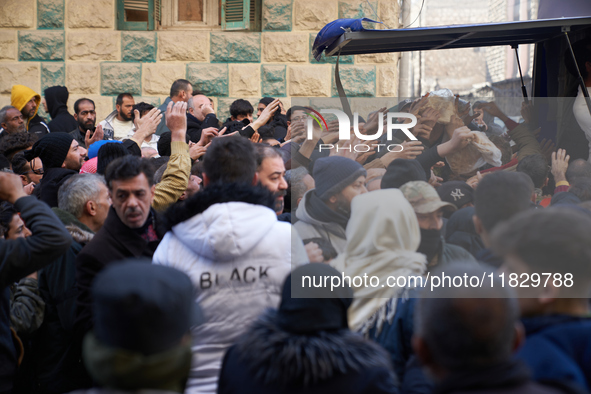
(135, 14)
(235, 14)
(241, 15)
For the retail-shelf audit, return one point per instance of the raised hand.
(146, 126)
(559, 165)
(98, 135)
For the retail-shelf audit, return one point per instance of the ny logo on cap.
(457, 194)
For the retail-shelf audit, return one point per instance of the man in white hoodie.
(228, 240)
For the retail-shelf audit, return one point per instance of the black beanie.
(52, 149)
(334, 173)
(106, 154)
(401, 171)
(306, 308)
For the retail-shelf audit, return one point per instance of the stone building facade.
(468, 70)
(76, 43)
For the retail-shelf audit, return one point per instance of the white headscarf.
(382, 238)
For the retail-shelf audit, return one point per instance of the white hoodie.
(238, 256)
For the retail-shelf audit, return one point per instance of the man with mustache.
(85, 115)
(130, 230)
(271, 173)
(11, 121)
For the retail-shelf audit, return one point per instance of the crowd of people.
(166, 250)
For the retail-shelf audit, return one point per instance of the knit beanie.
(107, 153)
(401, 171)
(52, 149)
(94, 148)
(334, 173)
(306, 309)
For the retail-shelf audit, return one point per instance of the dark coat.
(195, 126)
(38, 126)
(112, 243)
(19, 258)
(453, 253)
(52, 180)
(558, 348)
(487, 256)
(395, 337)
(56, 98)
(59, 367)
(268, 359)
(510, 377)
(460, 231)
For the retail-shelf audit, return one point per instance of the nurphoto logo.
(393, 122)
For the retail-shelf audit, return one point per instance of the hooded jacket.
(310, 226)
(19, 97)
(237, 254)
(268, 359)
(382, 238)
(56, 98)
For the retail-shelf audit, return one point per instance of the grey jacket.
(308, 227)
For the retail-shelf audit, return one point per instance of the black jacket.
(20, 258)
(268, 359)
(56, 98)
(58, 363)
(112, 243)
(38, 126)
(509, 377)
(52, 179)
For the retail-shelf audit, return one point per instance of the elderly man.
(201, 117)
(11, 121)
(83, 205)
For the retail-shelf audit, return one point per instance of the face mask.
(430, 243)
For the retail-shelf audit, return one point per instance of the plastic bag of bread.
(444, 101)
(479, 151)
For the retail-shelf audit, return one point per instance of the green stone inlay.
(211, 79)
(121, 77)
(53, 74)
(50, 14)
(327, 59)
(41, 45)
(235, 47)
(358, 10)
(277, 15)
(357, 81)
(273, 81)
(138, 47)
